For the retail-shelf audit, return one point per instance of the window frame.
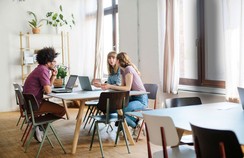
(201, 81)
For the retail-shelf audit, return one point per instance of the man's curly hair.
(45, 55)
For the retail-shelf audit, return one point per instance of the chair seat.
(182, 151)
(112, 117)
(46, 118)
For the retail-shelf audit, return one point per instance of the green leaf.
(55, 16)
(61, 8)
(33, 14)
(61, 16)
(49, 14)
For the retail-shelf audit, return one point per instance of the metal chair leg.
(23, 122)
(27, 134)
(94, 132)
(141, 127)
(88, 109)
(100, 140)
(26, 128)
(30, 138)
(43, 139)
(55, 133)
(18, 121)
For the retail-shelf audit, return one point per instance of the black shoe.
(116, 123)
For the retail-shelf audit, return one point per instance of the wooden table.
(83, 96)
(223, 115)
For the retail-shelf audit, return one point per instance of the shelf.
(44, 34)
(30, 43)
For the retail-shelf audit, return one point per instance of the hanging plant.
(57, 19)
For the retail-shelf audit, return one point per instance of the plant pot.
(36, 30)
(58, 83)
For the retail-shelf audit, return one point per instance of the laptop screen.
(85, 83)
(71, 82)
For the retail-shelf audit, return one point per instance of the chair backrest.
(212, 143)
(153, 89)
(31, 102)
(185, 101)
(17, 87)
(21, 102)
(110, 102)
(153, 124)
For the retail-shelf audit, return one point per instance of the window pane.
(214, 35)
(107, 3)
(108, 39)
(188, 36)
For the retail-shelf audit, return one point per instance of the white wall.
(139, 35)
(14, 18)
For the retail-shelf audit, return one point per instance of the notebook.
(85, 84)
(241, 95)
(68, 87)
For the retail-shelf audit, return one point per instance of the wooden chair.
(161, 131)
(19, 87)
(109, 103)
(22, 104)
(40, 120)
(213, 143)
(183, 101)
(152, 89)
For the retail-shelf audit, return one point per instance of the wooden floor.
(10, 144)
(10, 135)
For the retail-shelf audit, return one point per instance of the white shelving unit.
(31, 43)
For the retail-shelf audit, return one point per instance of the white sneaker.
(121, 134)
(39, 134)
(139, 123)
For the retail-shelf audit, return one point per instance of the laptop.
(85, 84)
(68, 87)
(241, 95)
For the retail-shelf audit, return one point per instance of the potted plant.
(57, 19)
(62, 73)
(34, 23)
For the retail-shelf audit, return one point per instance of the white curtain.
(233, 25)
(98, 70)
(168, 45)
(92, 36)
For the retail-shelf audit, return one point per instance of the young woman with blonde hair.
(131, 80)
(113, 70)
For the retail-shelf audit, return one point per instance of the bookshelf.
(31, 43)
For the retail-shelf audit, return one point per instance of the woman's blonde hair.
(111, 69)
(125, 61)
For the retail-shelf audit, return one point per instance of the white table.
(223, 115)
(82, 96)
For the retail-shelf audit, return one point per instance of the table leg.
(128, 133)
(77, 127)
(66, 108)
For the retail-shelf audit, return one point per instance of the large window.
(200, 43)
(110, 28)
